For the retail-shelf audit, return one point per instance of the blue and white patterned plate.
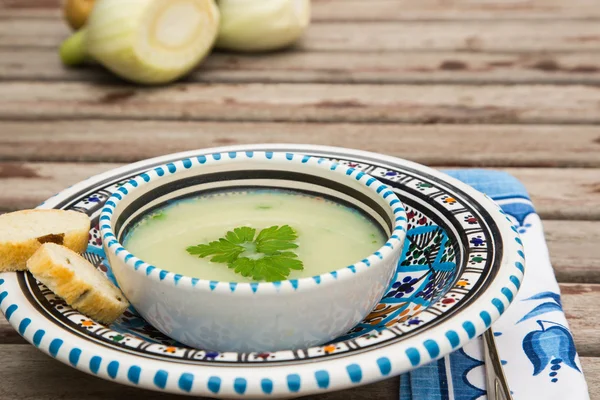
(462, 264)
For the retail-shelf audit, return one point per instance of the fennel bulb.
(261, 25)
(145, 41)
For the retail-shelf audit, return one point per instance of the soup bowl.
(254, 316)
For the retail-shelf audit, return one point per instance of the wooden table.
(510, 85)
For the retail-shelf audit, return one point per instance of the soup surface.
(330, 235)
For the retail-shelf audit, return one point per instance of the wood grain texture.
(387, 10)
(30, 184)
(458, 145)
(329, 67)
(581, 303)
(535, 63)
(407, 10)
(307, 102)
(591, 369)
(574, 250)
(486, 36)
(562, 193)
(29, 374)
(475, 36)
(556, 193)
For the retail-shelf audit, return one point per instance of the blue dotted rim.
(301, 379)
(340, 172)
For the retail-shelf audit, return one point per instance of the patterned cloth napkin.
(533, 337)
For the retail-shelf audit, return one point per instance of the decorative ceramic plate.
(461, 266)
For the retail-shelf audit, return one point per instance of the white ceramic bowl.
(229, 316)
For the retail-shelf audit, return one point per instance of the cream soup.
(330, 235)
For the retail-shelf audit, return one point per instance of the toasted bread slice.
(23, 232)
(78, 282)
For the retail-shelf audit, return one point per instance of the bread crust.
(100, 305)
(14, 254)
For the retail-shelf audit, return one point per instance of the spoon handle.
(497, 385)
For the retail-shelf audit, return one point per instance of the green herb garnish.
(372, 236)
(159, 215)
(264, 257)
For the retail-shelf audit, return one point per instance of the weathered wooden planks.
(330, 67)
(591, 369)
(489, 36)
(406, 10)
(388, 10)
(459, 145)
(572, 244)
(562, 193)
(27, 185)
(307, 102)
(574, 250)
(28, 373)
(581, 303)
(477, 36)
(29, 4)
(433, 42)
(557, 193)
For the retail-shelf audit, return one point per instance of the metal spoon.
(497, 385)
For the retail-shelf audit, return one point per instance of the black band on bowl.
(171, 187)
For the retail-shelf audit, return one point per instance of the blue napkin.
(533, 336)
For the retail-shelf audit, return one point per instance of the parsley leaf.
(274, 239)
(222, 250)
(241, 235)
(270, 262)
